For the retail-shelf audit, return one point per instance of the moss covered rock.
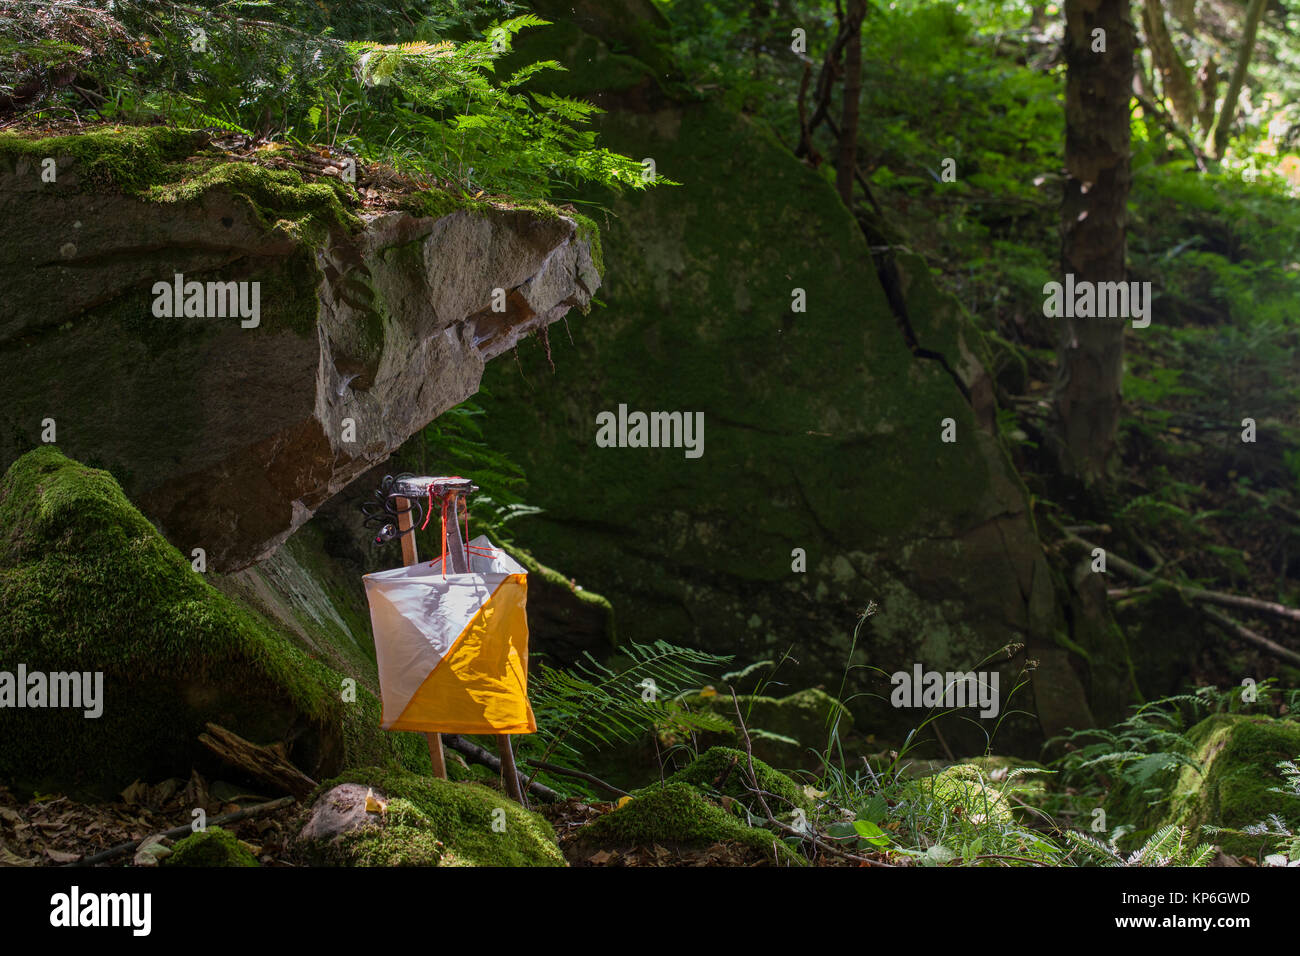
(211, 847)
(726, 771)
(230, 430)
(822, 428)
(679, 815)
(968, 789)
(1239, 755)
(88, 585)
(426, 822)
(1031, 786)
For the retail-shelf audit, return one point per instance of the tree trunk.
(1216, 141)
(1208, 81)
(1184, 12)
(846, 162)
(1176, 78)
(1098, 89)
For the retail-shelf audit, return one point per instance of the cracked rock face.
(229, 437)
(825, 483)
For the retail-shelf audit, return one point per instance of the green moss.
(1239, 756)
(211, 847)
(679, 815)
(554, 579)
(439, 822)
(126, 158)
(280, 197)
(968, 788)
(406, 837)
(1064, 640)
(1032, 788)
(732, 768)
(436, 203)
(589, 232)
(163, 164)
(88, 584)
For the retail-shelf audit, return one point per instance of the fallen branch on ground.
(1246, 634)
(185, 830)
(577, 775)
(1199, 596)
(490, 760)
(264, 763)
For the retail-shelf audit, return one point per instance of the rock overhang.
(372, 323)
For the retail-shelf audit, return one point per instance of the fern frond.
(596, 705)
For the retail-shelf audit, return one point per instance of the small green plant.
(959, 817)
(1286, 848)
(1168, 846)
(1137, 750)
(411, 84)
(592, 704)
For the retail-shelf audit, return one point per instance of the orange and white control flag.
(453, 650)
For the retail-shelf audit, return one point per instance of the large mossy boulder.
(678, 816)
(762, 310)
(415, 820)
(211, 847)
(88, 585)
(1236, 787)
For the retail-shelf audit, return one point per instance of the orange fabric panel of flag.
(481, 685)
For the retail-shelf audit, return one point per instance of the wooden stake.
(458, 563)
(509, 771)
(457, 548)
(411, 556)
